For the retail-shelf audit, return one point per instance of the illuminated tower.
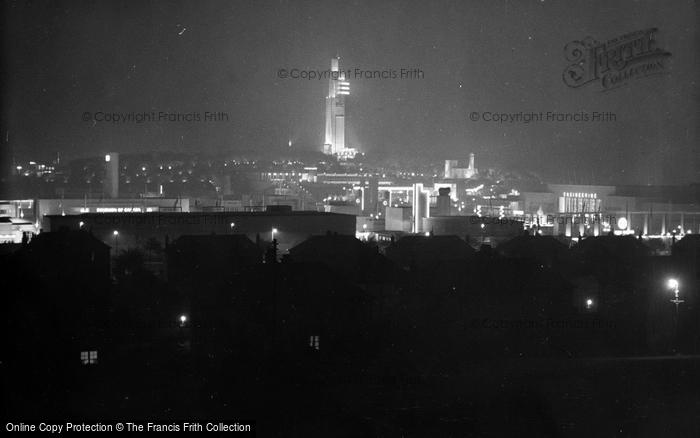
(338, 88)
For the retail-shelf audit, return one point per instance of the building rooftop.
(213, 213)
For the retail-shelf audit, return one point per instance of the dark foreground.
(653, 396)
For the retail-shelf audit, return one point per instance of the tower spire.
(338, 89)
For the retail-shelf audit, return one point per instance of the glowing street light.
(274, 231)
(589, 303)
(81, 224)
(183, 320)
(116, 241)
(673, 284)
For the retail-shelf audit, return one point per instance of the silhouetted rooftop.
(531, 246)
(428, 249)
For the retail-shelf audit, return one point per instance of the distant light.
(673, 283)
(108, 158)
(483, 226)
(589, 303)
(116, 233)
(622, 223)
(233, 224)
(183, 319)
(274, 230)
(427, 234)
(364, 226)
(81, 224)
(688, 232)
(290, 143)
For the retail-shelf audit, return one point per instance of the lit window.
(88, 357)
(315, 342)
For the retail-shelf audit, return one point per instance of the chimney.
(443, 202)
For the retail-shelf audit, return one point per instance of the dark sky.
(64, 58)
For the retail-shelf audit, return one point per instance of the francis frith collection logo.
(615, 62)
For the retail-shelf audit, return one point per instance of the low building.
(345, 255)
(576, 210)
(57, 309)
(125, 230)
(399, 219)
(476, 227)
(35, 210)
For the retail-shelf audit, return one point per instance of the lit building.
(454, 171)
(19, 216)
(338, 88)
(592, 210)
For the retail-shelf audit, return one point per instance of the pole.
(676, 300)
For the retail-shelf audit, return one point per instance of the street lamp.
(233, 224)
(183, 320)
(116, 241)
(589, 303)
(272, 234)
(673, 285)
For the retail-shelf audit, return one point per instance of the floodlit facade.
(338, 89)
(454, 171)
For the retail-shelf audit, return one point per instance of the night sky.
(61, 59)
